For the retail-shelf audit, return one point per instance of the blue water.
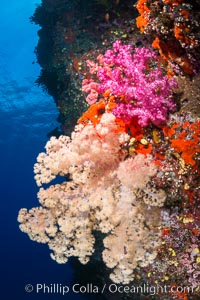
(27, 114)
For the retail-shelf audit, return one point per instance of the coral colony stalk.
(124, 132)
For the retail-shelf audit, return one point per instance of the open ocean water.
(27, 114)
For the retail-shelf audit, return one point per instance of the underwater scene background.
(100, 131)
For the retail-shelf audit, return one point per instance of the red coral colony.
(131, 165)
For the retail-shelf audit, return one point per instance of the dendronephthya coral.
(97, 196)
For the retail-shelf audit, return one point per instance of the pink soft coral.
(135, 75)
(89, 86)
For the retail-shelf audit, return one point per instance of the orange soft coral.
(93, 114)
(142, 20)
(144, 149)
(187, 148)
(170, 131)
(142, 7)
(156, 43)
(186, 142)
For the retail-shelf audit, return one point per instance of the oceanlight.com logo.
(149, 289)
(62, 289)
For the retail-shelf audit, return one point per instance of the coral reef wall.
(127, 88)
